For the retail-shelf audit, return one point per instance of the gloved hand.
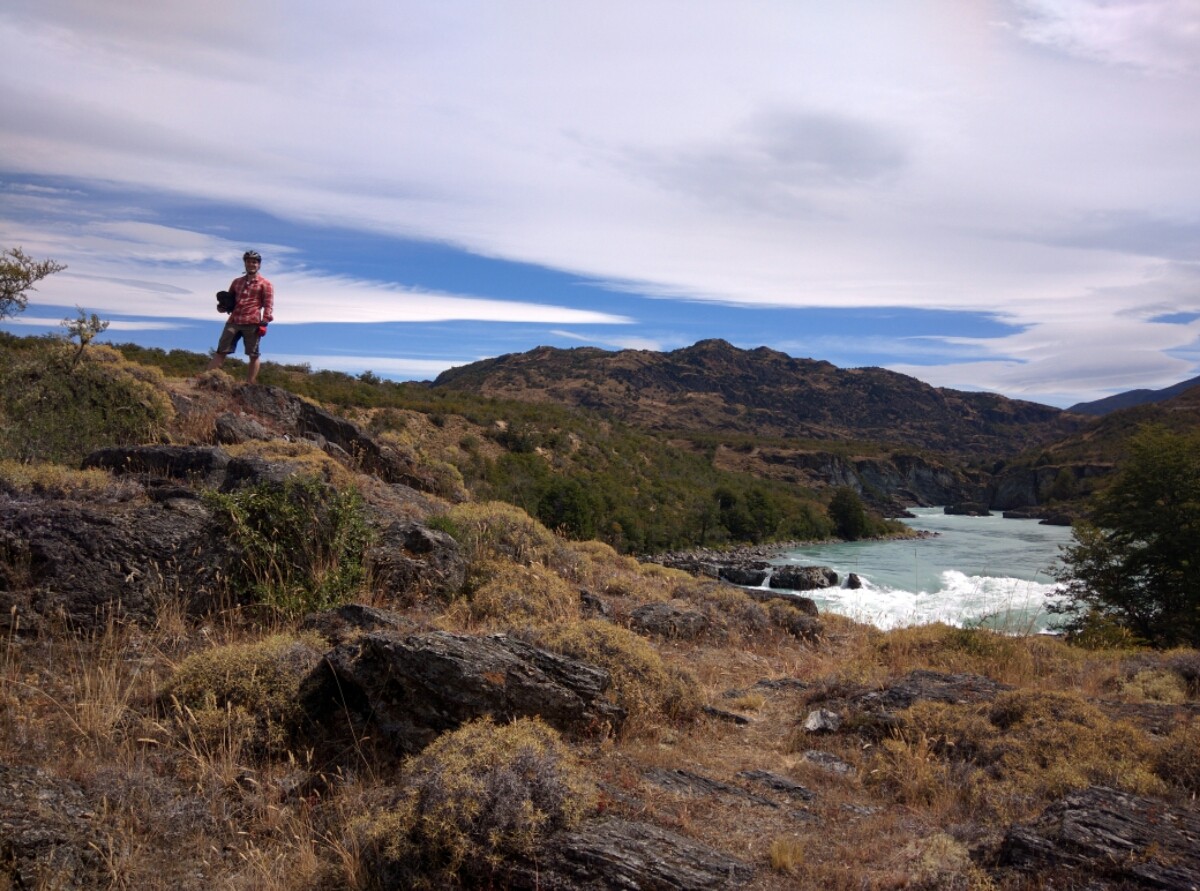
(262, 330)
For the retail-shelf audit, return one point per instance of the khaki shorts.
(229, 338)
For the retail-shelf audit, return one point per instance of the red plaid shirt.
(255, 301)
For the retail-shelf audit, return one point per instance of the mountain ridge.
(1133, 398)
(714, 386)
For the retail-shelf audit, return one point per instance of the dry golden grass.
(507, 596)
(642, 683)
(59, 481)
(498, 530)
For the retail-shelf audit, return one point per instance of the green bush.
(53, 411)
(297, 547)
(1135, 565)
(477, 796)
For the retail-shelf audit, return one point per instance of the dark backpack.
(226, 301)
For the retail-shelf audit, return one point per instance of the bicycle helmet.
(252, 255)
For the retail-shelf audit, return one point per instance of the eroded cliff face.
(1029, 487)
(889, 481)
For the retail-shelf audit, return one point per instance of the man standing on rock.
(249, 316)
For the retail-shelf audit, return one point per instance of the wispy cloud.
(1161, 36)
(777, 154)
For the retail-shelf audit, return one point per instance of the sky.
(998, 195)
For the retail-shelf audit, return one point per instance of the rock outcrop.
(410, 561)
(1122, 840)
(408, 690)
(599, 856)
(87, 563)
(803, 578)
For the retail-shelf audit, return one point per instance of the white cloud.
(1160, 36)
(385, 366)
(765, 153)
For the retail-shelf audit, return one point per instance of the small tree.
(1137, 564)
(18, 274)
(848, 515)
(83, 328)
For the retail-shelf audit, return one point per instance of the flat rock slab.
(1115, 836)
(627, 855)
(688, 783)
(932, 686)
(87, 563)
(775, 782)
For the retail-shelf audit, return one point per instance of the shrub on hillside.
(298, 547)
(732, 614)
(1011, 756)
(512, 595)
(497, 529)
(52, 411)
(241, 693)
(642, 683)
(476, 797)
(1178, 758)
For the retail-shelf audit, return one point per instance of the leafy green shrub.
(297, 547)
(1136, 565)
(848, 514)
(247, 692)
(511, 594)
(477, 796)
(51, 411)
(642, 683)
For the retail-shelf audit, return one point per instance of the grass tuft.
(478, 795)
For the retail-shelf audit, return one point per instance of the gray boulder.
(86, 563)
(609, 854)
(198, 465)
(408, 690)
(967, 509)
(670, 620)
(303, 419)
(409, 561)
(750, 574)
(346, 622)
(231, 428)
(803, 578)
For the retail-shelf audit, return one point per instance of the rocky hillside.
(713, 386)
(264, 648)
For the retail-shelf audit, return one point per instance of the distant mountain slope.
(713, 386)
(1130, 398)
(1107, 439)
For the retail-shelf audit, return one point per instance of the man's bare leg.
(216, 361)
(253, 376)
